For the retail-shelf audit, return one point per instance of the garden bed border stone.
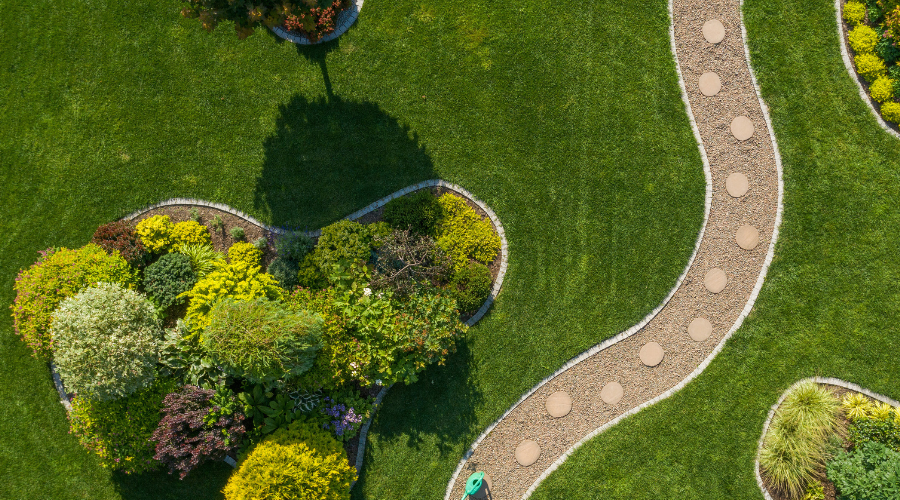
(819, 380)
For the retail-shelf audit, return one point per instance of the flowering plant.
(312, 18)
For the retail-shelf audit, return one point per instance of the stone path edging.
(615, 340)
(819, 380)
(848, 63)
(345, 19)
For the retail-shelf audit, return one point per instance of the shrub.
(203, 258)
(169, 277)
(237, 233)
(854, 13)
(309, 275)
(285, 271)
(236, 280)
(245, 252)
(870, 422)
(891, 21)
(856, 406)
(156, 233)
(119, 431)
(302, 462)
(293, 246)
(183, 358)
(407, 261)
(107, 342)
(120, 237)
(419, 213)
(471, 286)
(882, 90)
(260, 244)
(870, 66)
(189, 233)
(261, 340)
(863, 39)
(345, 240)
(54, 277)
(891, 111)
(464, 235)
(796, 442)
(870, 472)
(886, 49)
(186, 437)
(346, 411)
(313, 19)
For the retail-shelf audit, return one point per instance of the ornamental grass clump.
(195, 429)
(204, 258)
(107, 341)
(795, 445)
(300, 462)
(59, 274)
(262, 341)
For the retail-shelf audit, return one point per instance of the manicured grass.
(568, 122)
(829, 304)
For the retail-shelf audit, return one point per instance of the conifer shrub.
(471, 286)
(107, 341)
(300, 462)
(120, 237)
(56, 275)
(293, 246)
(285, 272)
(463, 234)
(419, 213)
(168, 277)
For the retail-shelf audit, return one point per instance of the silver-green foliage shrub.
(107, 342)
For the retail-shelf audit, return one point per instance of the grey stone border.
(345, 19)
(819, 380)
(431, 183)
(848, 63)
(748, 306)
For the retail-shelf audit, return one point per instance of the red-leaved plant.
(317, 22)
(195, 429)
(120, 236)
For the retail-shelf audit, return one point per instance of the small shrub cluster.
(120, 237)
(168, 277)
(194, 429)
(107, 341)
(419, 213)
(872, 422)
(471, 286)
(313, 18)
(463, 234)
(863, 39)
(119, 431)
(245, 252)
(854, 13)
(874, 40)
(160, 235)
(301, 462)
(57, 275)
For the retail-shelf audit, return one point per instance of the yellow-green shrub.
(854, 12)
(189, 233)
(300, 462)
(463, 234)
(891, 111)
(237, 280)
(882, 90)
(870, 66)
(245, 252)
(156, 233)
(863, 39)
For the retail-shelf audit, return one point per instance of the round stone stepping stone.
(612, 393)
(737, 184)
(527, 453)
(713, 31)
(558, 404)
(715, 280)
(710, 84)
(747, 237)
(485, 489)
(741, 128)
(700, 329)
(651, 354)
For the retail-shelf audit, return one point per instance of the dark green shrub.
(419, 212)
(880, 430)
(293, 246)
(237, 233)
(309, 275)
(169, 277)
(885, 48)
(346, 241)
(285, 271)
(870, 472)
(471, 286)
(261, 340)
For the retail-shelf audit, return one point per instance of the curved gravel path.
(660, 355)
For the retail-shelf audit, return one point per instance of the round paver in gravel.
(527, 453)
(737, 184)
(700, 329)
(612, 393)
(715, 280)
(710, 84)
(651, 354)
(559, 404)
(747, 237)
(741, 128)
(713, 31)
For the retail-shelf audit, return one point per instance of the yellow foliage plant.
(854, 13)
(863, 39)
(891, 111)
(870, 66)
(245, 252)
(156, 233)
(463, 234)
(189, 233)
(856, 406)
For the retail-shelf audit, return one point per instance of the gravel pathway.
(707, 37)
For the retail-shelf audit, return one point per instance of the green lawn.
(567, 122)
(829, 305)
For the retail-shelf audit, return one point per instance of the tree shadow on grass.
(329, 157)
(204, 483)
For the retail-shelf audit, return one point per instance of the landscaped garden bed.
(828, 442)
(190, 333)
